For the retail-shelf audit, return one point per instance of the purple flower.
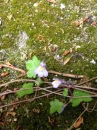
(57, 82)
(63, 107)
(41, 70)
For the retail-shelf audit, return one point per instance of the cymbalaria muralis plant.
(37, 70)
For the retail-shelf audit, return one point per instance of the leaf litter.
(78, 122)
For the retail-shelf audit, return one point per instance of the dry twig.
(67, 75)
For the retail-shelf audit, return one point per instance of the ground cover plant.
(48, 64)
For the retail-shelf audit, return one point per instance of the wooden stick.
(67, 75)
(12, 67)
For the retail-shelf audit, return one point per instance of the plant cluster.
(37, 70)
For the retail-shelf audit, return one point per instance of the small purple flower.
(41, 70)
(63, 107)
(57, 82)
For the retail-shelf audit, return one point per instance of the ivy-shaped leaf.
(56, 106)
(31, 73)
(76, 101)
(65, 92)
(31, 65)
(26, 89)
(95, 80)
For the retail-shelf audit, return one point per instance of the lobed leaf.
(95, 80)
(76, 101)
(31, 65)
(31, 73)
(26, 89)
(56, 106)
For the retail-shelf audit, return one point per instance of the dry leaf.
(51, 121)
(78, 122)
(2, 97)
(52, 1)
(36, 110)
(61, 61)
(7, 63)
(18, 128)
(41, 38)
(55, 47)
(6, 1)
(66, 121)
(13, 107)
(94, 23)
(66, 52)
(4, 74)
(45, 48)
(62, 30)
(79, 22)
(9, 16)
(88, 19)
(66, 61)
(11, 113)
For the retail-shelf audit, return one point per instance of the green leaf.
(95, 80)
(31, 65)
(56, 106)
(76, 101)
(88, 99)
(38, 81)
(31, 74)
(65, 92)
(26, 89)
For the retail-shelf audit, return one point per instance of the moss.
(47, 25)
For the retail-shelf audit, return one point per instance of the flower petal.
(40, 74)
(45, 73)
(36, 70)
(56, 83)
(41, 70)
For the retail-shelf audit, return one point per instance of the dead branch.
(12, 67)
(67, 75)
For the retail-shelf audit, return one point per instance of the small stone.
(15, 119)
(0, 22)
(62, 6)
(93, 62)
(35, 4)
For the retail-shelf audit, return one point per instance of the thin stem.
(80, 88)
(30, 100)
(85, 87)
(77, 119)
(46, 89)
(90, 110)
(52, 92)
(20, 80)
(86, 91)
(17, 80)
(87, 80)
